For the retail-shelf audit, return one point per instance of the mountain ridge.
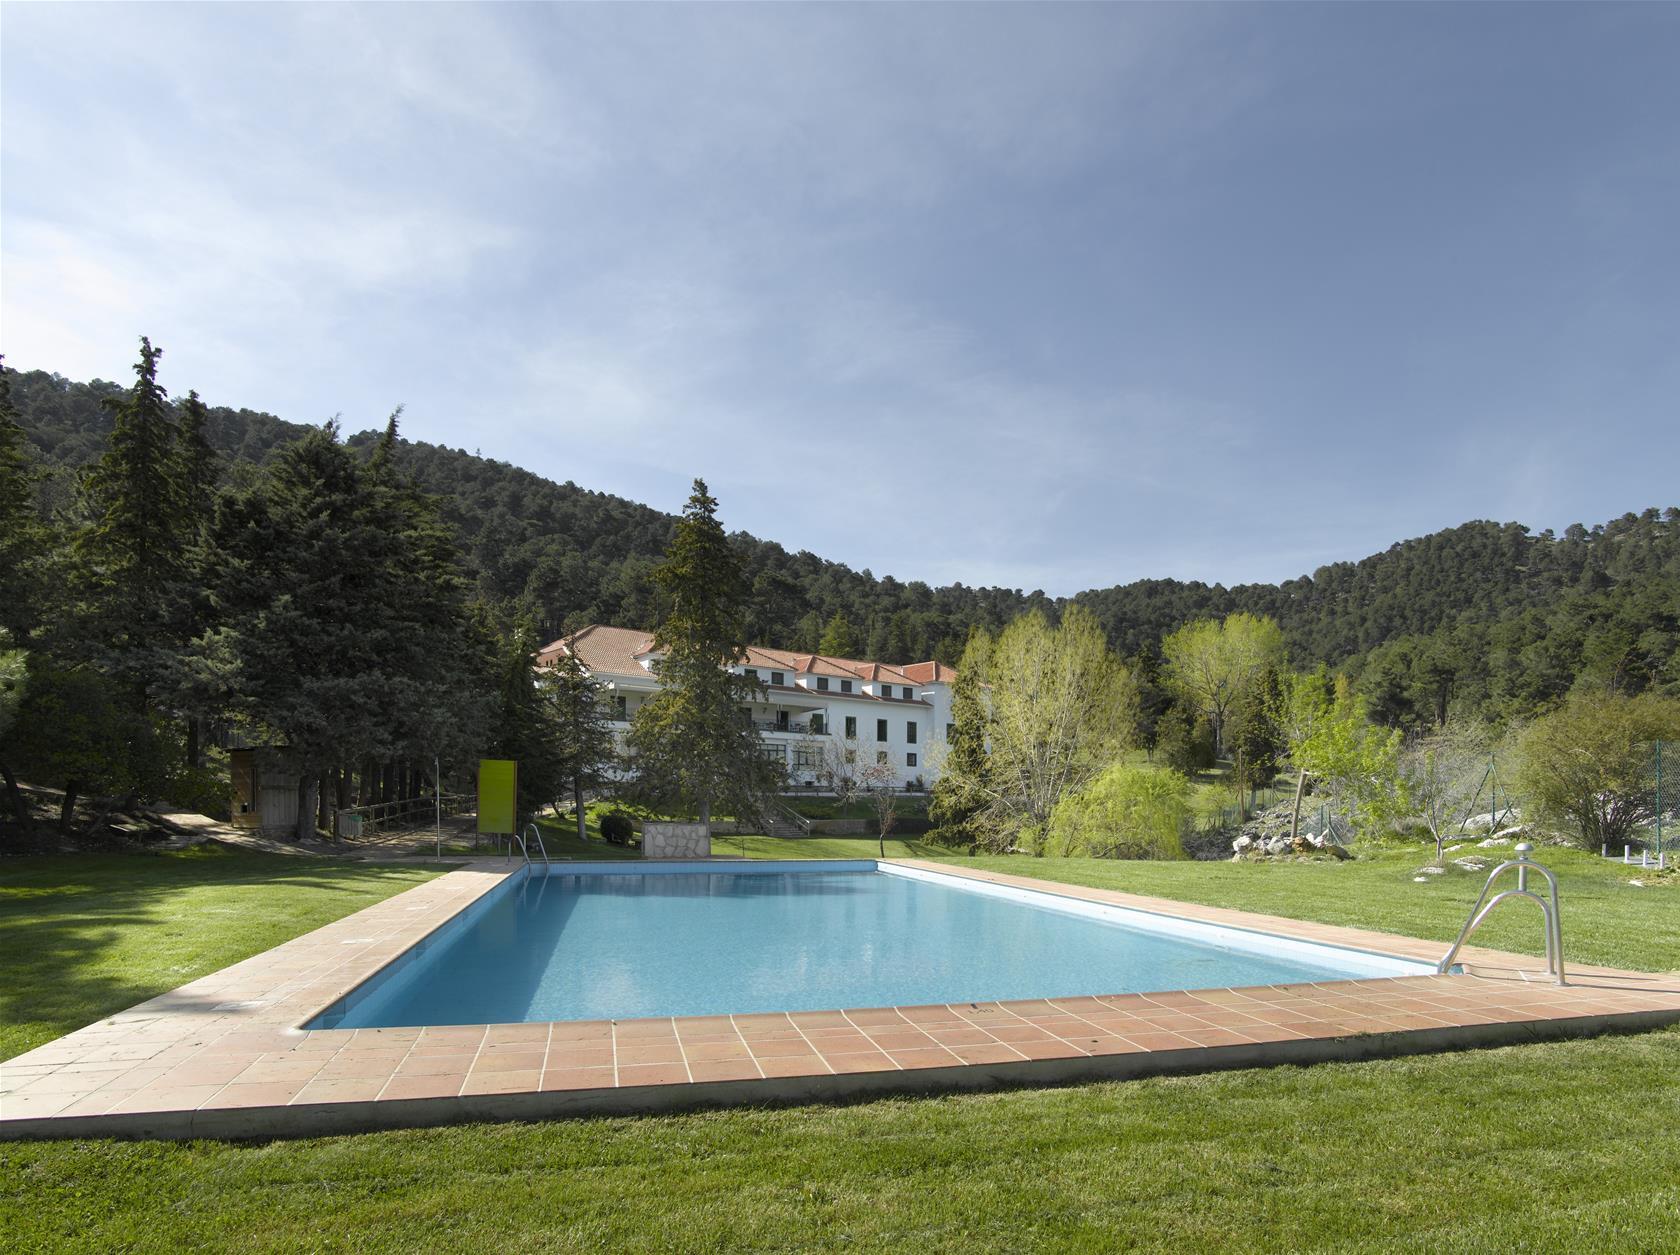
(573, 555)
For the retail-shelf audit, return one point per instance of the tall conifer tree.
(693, 745)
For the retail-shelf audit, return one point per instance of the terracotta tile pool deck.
(223, 1056)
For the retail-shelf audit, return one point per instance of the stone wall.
(665, 840)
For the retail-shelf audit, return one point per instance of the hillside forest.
(172, 570)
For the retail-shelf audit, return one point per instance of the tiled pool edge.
(367, 1116)
(209, 1028)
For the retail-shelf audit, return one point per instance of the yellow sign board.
(498, 787)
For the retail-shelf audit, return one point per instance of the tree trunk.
(706, 813)
(1295, 815)
(20, 811)
(308, 788)
(577, 801)
(195, 758)
(323, 804)
(67, 810)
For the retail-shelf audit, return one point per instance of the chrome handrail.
(532, 830)
(1548, 909)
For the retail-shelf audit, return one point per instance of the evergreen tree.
(838, 638)
(132, 551)
(587, 751)
(526, 726)
(693, 746)
(1256, 738)
(23, 539)
(956, 797)
(306, 593)
(201, 465)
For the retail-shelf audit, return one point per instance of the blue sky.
(1049, 297)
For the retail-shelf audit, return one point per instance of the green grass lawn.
(1561, 1146)
(1605, 919)
(1556, 1147)
(89, 935)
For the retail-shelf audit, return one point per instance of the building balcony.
(790, 728)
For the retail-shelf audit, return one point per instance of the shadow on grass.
(86, 936)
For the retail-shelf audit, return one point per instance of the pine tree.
(132, 553)
(957, 797)
(305, 591)
(838, 638)
(693, 746)
(587, 751)
(201, 468)
(23, 538)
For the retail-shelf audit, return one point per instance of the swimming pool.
(615, 941)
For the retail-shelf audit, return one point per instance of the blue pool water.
(617, 946)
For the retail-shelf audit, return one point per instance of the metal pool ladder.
(531, 830)
(1548, 909)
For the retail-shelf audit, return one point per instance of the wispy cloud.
(1041, 295)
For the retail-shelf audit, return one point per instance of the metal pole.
(1659, 800)
(437, 798)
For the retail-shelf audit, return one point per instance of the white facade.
(809, 705)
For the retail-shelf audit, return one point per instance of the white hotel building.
(897, 714)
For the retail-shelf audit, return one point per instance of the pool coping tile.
(226, 1056)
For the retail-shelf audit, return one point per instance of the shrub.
(1589, 766)
(617, 827)
(1127, 812)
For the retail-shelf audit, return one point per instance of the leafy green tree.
(1590, 765)
(1127, 812)
(1059, 709)
(1443, 773)
(1331, 740)
(838, 638)
(692, 745)
(1212, 664)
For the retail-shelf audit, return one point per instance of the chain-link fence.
(1646, 808)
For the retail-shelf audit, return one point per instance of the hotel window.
(910, 732)
(909, 760)
(752, 673)
(950, 732)
(880, 729)
(775, 677)
(845, 686)
(623, 706)
(851, 727)
(909, 693)
(880, 756)
(822, 684)
(818, 726)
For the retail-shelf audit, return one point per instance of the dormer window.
(845, 686)
(751, 673)
(777, 678)
(822, 684)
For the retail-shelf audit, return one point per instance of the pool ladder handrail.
(1548, 909)
(531, 830)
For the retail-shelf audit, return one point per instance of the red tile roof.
(616, 651)
(610, 650)
(931, 673)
